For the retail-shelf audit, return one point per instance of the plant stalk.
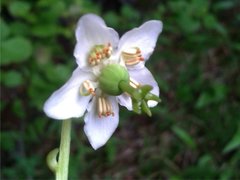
(63, 160)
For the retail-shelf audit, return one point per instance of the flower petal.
(67, 102)
(143, 37)
(99, 130)
(144, 77)
(92, 30)
(125, 100)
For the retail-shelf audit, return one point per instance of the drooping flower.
(110, 72)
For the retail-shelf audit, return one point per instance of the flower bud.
(110, 77)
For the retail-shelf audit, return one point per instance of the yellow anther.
(132, 56)
(104, 107)
(99, 53)
(87, 88)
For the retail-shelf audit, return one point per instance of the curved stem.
(63, 160)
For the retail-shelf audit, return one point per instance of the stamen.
(100, 107)
(134, 83)
(132, 56)
(87, 88)
(99, 53)
(104, 107)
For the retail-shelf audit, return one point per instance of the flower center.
(104, 107)
(99, 53)
(132, 56)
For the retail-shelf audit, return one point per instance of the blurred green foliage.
(193, 134)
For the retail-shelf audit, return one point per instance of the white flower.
(98, 47)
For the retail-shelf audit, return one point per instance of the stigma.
(99, 53)
(132, 56)
(87, 88)
(104, 107)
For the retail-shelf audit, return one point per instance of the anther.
(104, 107)
(87, 88)
(132, 56)
(99, 53)
(134, 83)
(100, 107)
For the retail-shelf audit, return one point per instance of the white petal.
(144, 77)
(92, 30)
(66, 102)
(144, 37)
(99, 130)
(125, 100)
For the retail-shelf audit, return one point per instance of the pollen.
(99, 53)
(134, 83)
(87, 88)
(132, 56)
(104, 107)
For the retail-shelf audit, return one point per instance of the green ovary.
(110, 77)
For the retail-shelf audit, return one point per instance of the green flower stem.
(62, 169)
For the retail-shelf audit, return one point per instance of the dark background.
(193, 134)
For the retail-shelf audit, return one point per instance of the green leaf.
(112, 19)
(19, 28)
(15, 50)
(216, 93)
(223, 5)
(12, 79)
(188, 24)
(210, 21)
(9, 138)
(184, 136)
(4, 29)
(19, 8)
(111, 150)
(129, 12)
(45, 30)
(234, 142)
(199, 8)
(205, 160)
(53, 74)
(18, 109)
(203, 100)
